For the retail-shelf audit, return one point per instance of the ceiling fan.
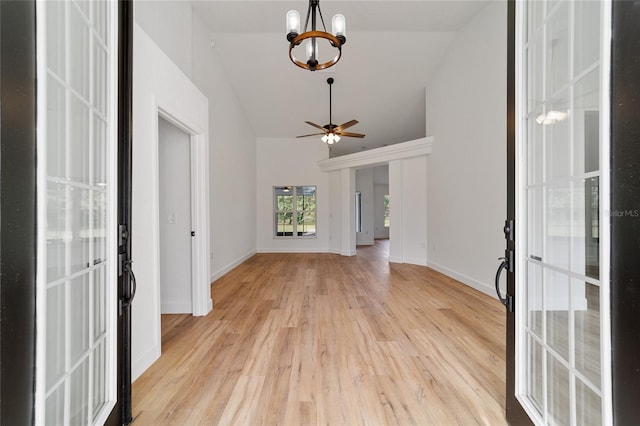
(330, 132)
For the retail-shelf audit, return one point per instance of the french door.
(81, 308)
(559, 325)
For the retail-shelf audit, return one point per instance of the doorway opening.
(175, 219)
(372, 207)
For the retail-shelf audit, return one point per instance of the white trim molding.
(382, 155)
(218, 274)
(407, 158)
(464, 279)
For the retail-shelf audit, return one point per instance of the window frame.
(358, 209)
(295, 212)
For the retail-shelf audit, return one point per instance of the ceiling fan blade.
(345, 125)
(316, 125)
(312, 134)
(351, 135)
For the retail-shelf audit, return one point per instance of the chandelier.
(295, 38)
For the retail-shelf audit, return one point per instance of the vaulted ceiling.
(392, 49)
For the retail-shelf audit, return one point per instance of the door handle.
(507, 300)
(127, 269)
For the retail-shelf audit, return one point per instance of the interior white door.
(562, 323)
(174, 167)
(77, 292)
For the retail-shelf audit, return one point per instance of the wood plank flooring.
(310, 339)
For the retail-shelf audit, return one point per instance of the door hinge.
(122, 257)
(509, 257)
(123, 235)
(509, 230)
(509, 302)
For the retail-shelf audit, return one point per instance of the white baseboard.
(395, 259)
(219, 273)
(293, 250)
(416, 261)
(368, 242)
(140, 364)
(480, 286)
(348, 253)
(334, 251)
(176, 308)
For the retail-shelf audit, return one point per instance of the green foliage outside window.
(295, 211)
(386, 211)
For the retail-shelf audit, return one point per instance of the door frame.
(515, 413)
(625, 211)
(610, 394)
(122, 413)
(200, 299)
(18, 211)
(199, 212)
(18, 208)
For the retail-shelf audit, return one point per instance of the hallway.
(326, 339)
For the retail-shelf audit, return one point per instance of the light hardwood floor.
(306, 339)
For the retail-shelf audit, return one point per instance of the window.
(295, 211)
(386, 211)
(358, 211)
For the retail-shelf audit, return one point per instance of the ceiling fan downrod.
(330, 81)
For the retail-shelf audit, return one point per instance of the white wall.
(174, 166)
(158, 84)
(290, 162)
(466, 113)
(232, 159)
(186, 40)
(408, 210)
(168, 24)
(335, 212)
(414, 210)
(364, 184)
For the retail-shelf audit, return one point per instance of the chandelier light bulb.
(312, 48)
(338, 25)
(293, 22)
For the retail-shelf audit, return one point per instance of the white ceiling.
(391, 51)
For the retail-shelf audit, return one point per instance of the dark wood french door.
(573, 215)
(17, 211)
(515, 413)
(65, 188)
(625, 211)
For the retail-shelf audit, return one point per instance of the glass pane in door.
(77, 81)
(562, 333)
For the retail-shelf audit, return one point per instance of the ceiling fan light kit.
(336, 39)
(330, 132)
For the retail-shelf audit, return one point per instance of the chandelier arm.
(306, 22)
(321, 18)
